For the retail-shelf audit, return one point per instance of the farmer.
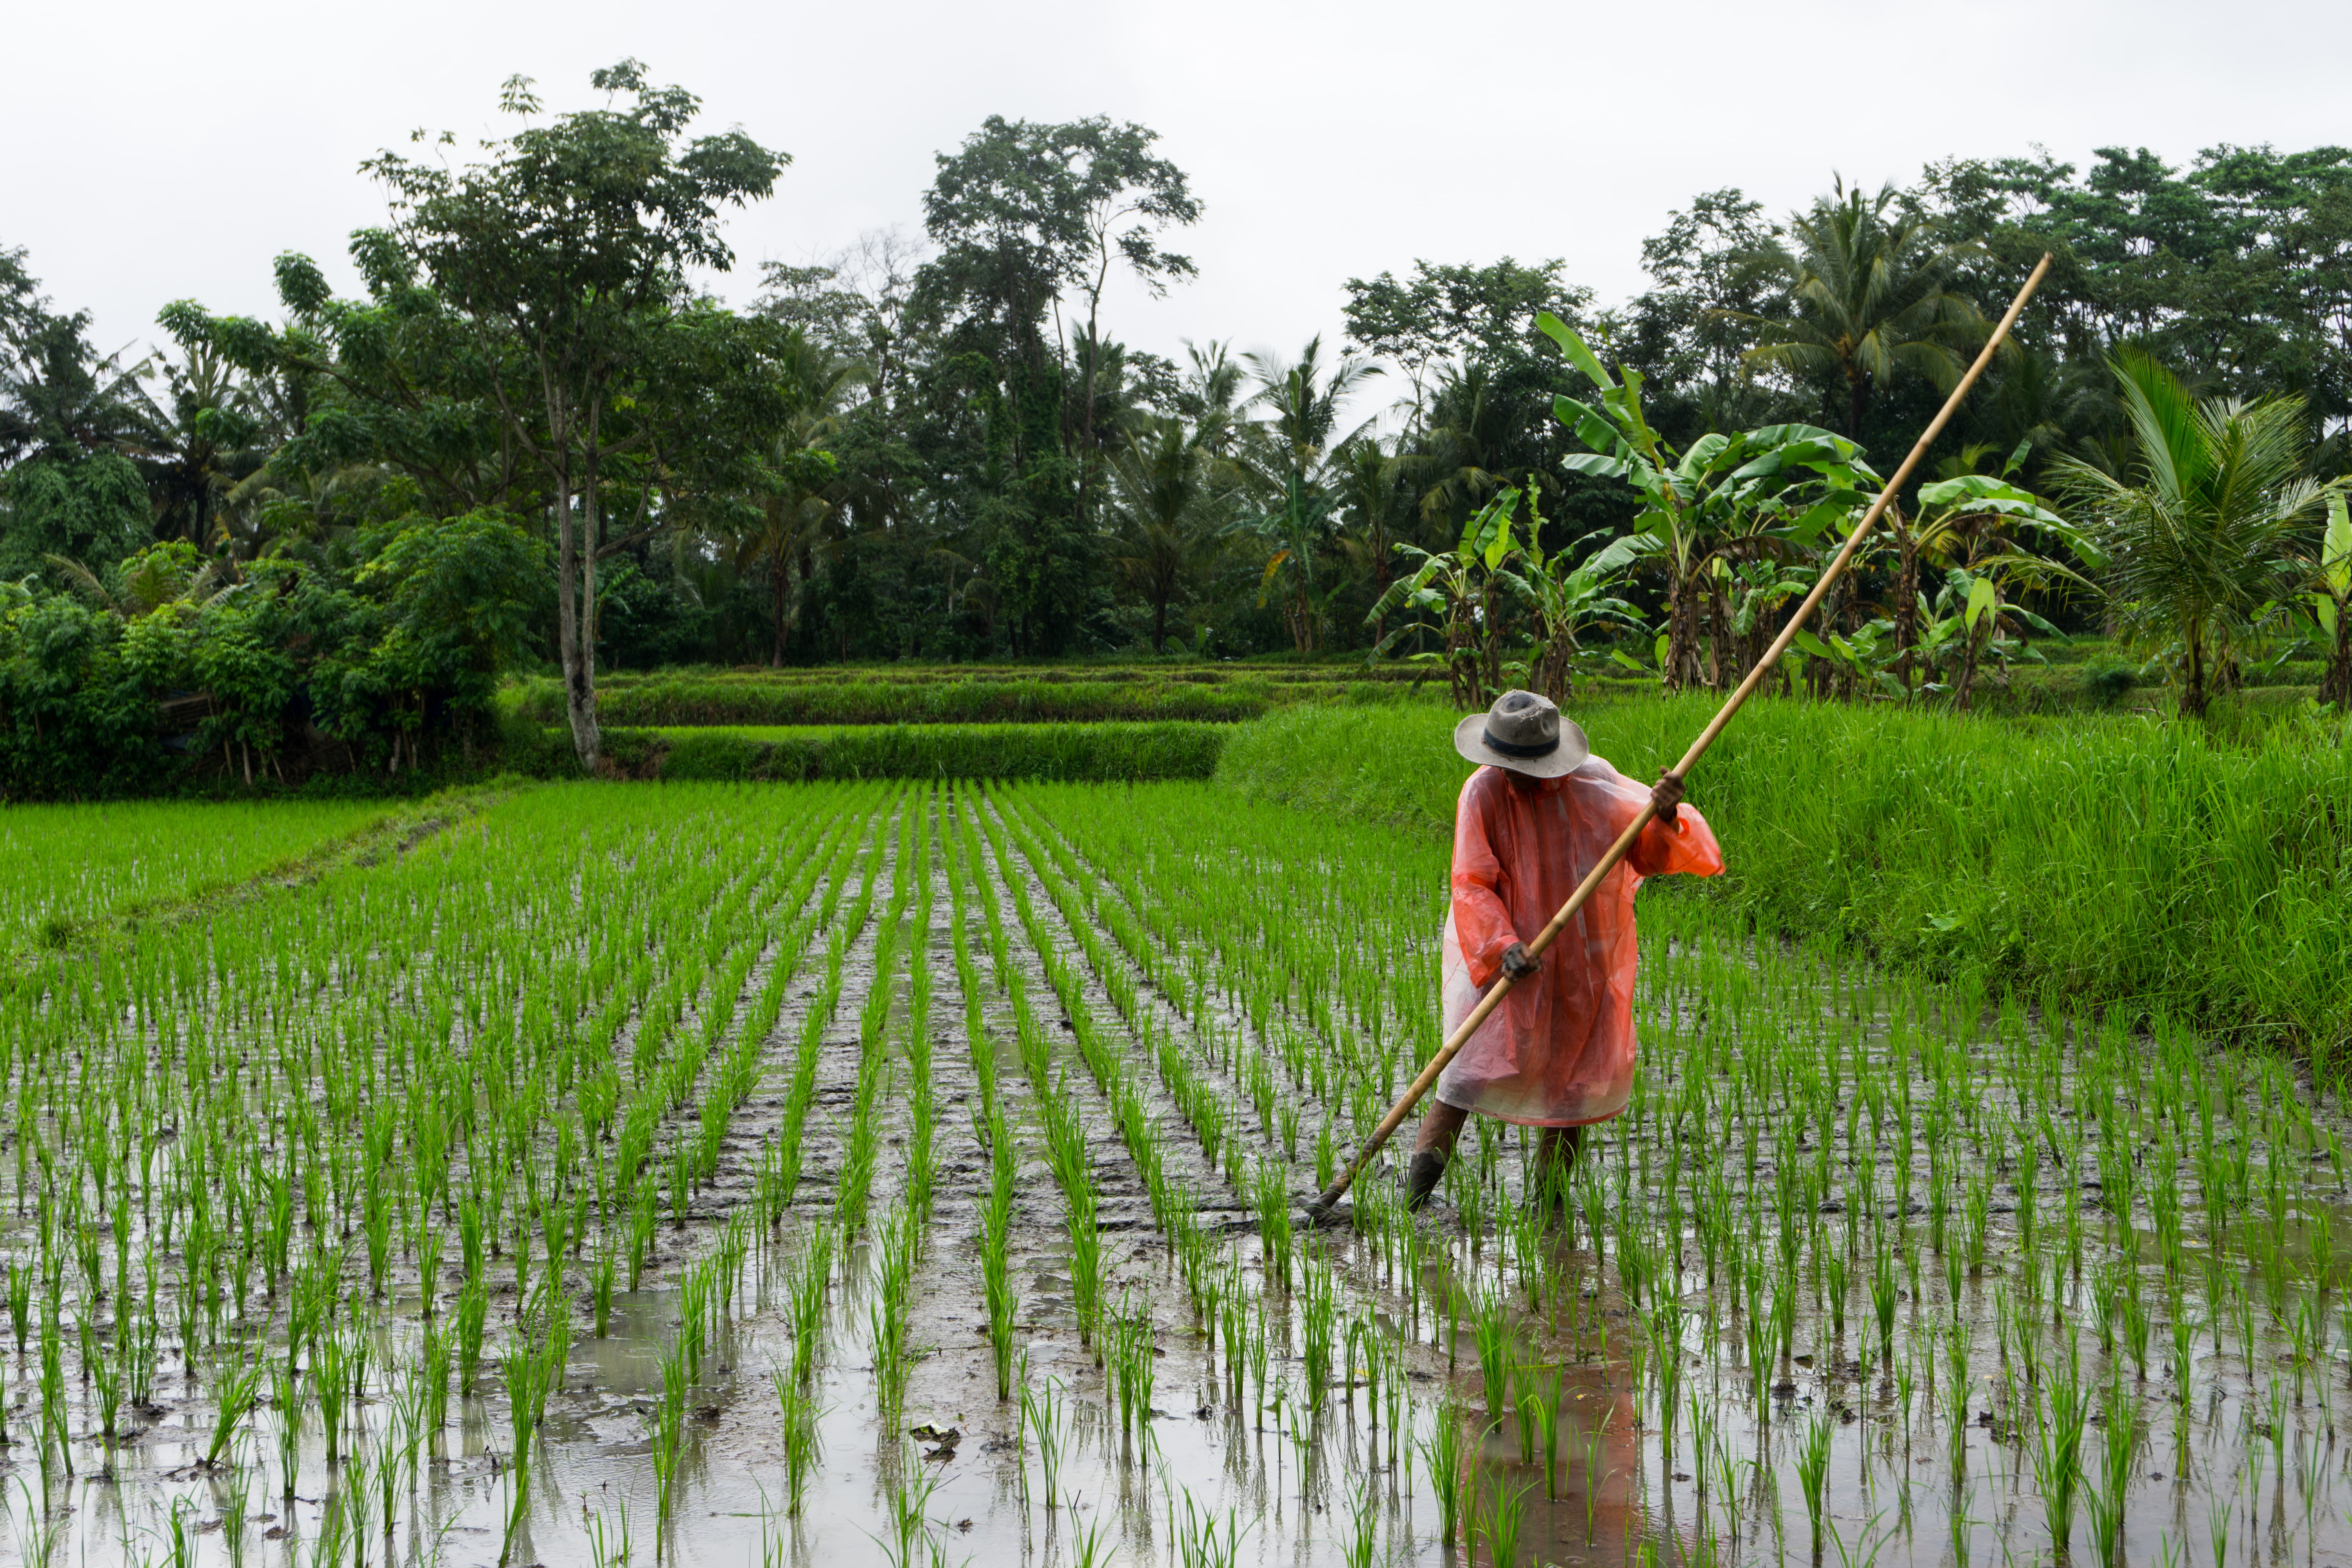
(1532, 821)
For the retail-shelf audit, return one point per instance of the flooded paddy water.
(912, 1175)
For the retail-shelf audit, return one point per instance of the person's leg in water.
(1556, 1163)
(1441, 1125)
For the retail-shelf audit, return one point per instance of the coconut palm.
(802, 488)
(1163, 489)
(1868, 281)
(1291, 463)
(2201, 531)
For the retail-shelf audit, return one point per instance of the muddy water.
(1291, 1485)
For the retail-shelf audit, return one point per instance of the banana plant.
(1759, 493)
(1565, 601)
(2331, 602)
(1975, 525)
(1457, 588)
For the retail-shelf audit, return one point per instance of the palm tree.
(1163, 486)
(1291, 464)
(1868, 281)
(803, 491)
(2200, 533)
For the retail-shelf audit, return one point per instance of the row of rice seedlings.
(1317, 1318)
(62, 867)
(1067, 1153)
(2081, 1097)
(465, 1098)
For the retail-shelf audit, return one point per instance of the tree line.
(939, 448)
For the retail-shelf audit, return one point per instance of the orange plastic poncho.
(1559, 1051)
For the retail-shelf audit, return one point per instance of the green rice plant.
(812, 1270)
(1882, 1299)
(2106, 1501)
(1042, 1417)
(1319, 1317)
(235, 1393)
(1543, 1405)
(1002, 1300)
(802, 1447)
(609, 1544)
(1133, 1371)
(1359, 1548)
(1666, 1362)
(473, 1311)
(287, 1396)
(1087, 1268)
(1270, 1197)
(2058, 1448)
(1493, 1333)
(334, 1377)
(1204, 1537)
(1504, 1518)
(1812, 1472)
(666, 1429)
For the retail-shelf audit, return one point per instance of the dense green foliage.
(941, 452)
(167, 669)
(2113, 861)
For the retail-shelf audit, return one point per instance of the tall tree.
(1030, 222)
(567, 251)
(1868, 277)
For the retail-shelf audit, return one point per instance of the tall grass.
(2127, 862)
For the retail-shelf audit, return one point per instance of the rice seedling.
(1043, 1414)
(1504, 1519)
(1443, 1451)
(802, 1449)
(1204, 1537)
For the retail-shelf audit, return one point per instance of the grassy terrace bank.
(1078, 753)
(2117, 861)
(950, 696)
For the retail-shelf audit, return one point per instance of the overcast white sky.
(156, 151)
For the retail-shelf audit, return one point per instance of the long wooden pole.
(1328, 1200)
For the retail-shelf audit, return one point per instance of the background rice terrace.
(905, 1169)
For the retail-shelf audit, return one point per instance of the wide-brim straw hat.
(1523, 731)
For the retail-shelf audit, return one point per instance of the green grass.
(950, 696)
(1103, 752)
(2121, 862)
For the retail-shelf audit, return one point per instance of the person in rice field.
(1532, 821)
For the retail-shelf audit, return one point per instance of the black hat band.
(1511, 749)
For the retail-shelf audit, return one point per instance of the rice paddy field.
(64, 864)
(911, 1172)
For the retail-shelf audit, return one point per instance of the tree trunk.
(1550, 674)
(1968, 676)
(579, 675)
(1159, 622)
(1682, 670)
(1718, 637)
(776, 571)
(2193, 689)
(1907, 600)
(2336, 685)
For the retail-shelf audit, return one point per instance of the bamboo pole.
(1328, 1199)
